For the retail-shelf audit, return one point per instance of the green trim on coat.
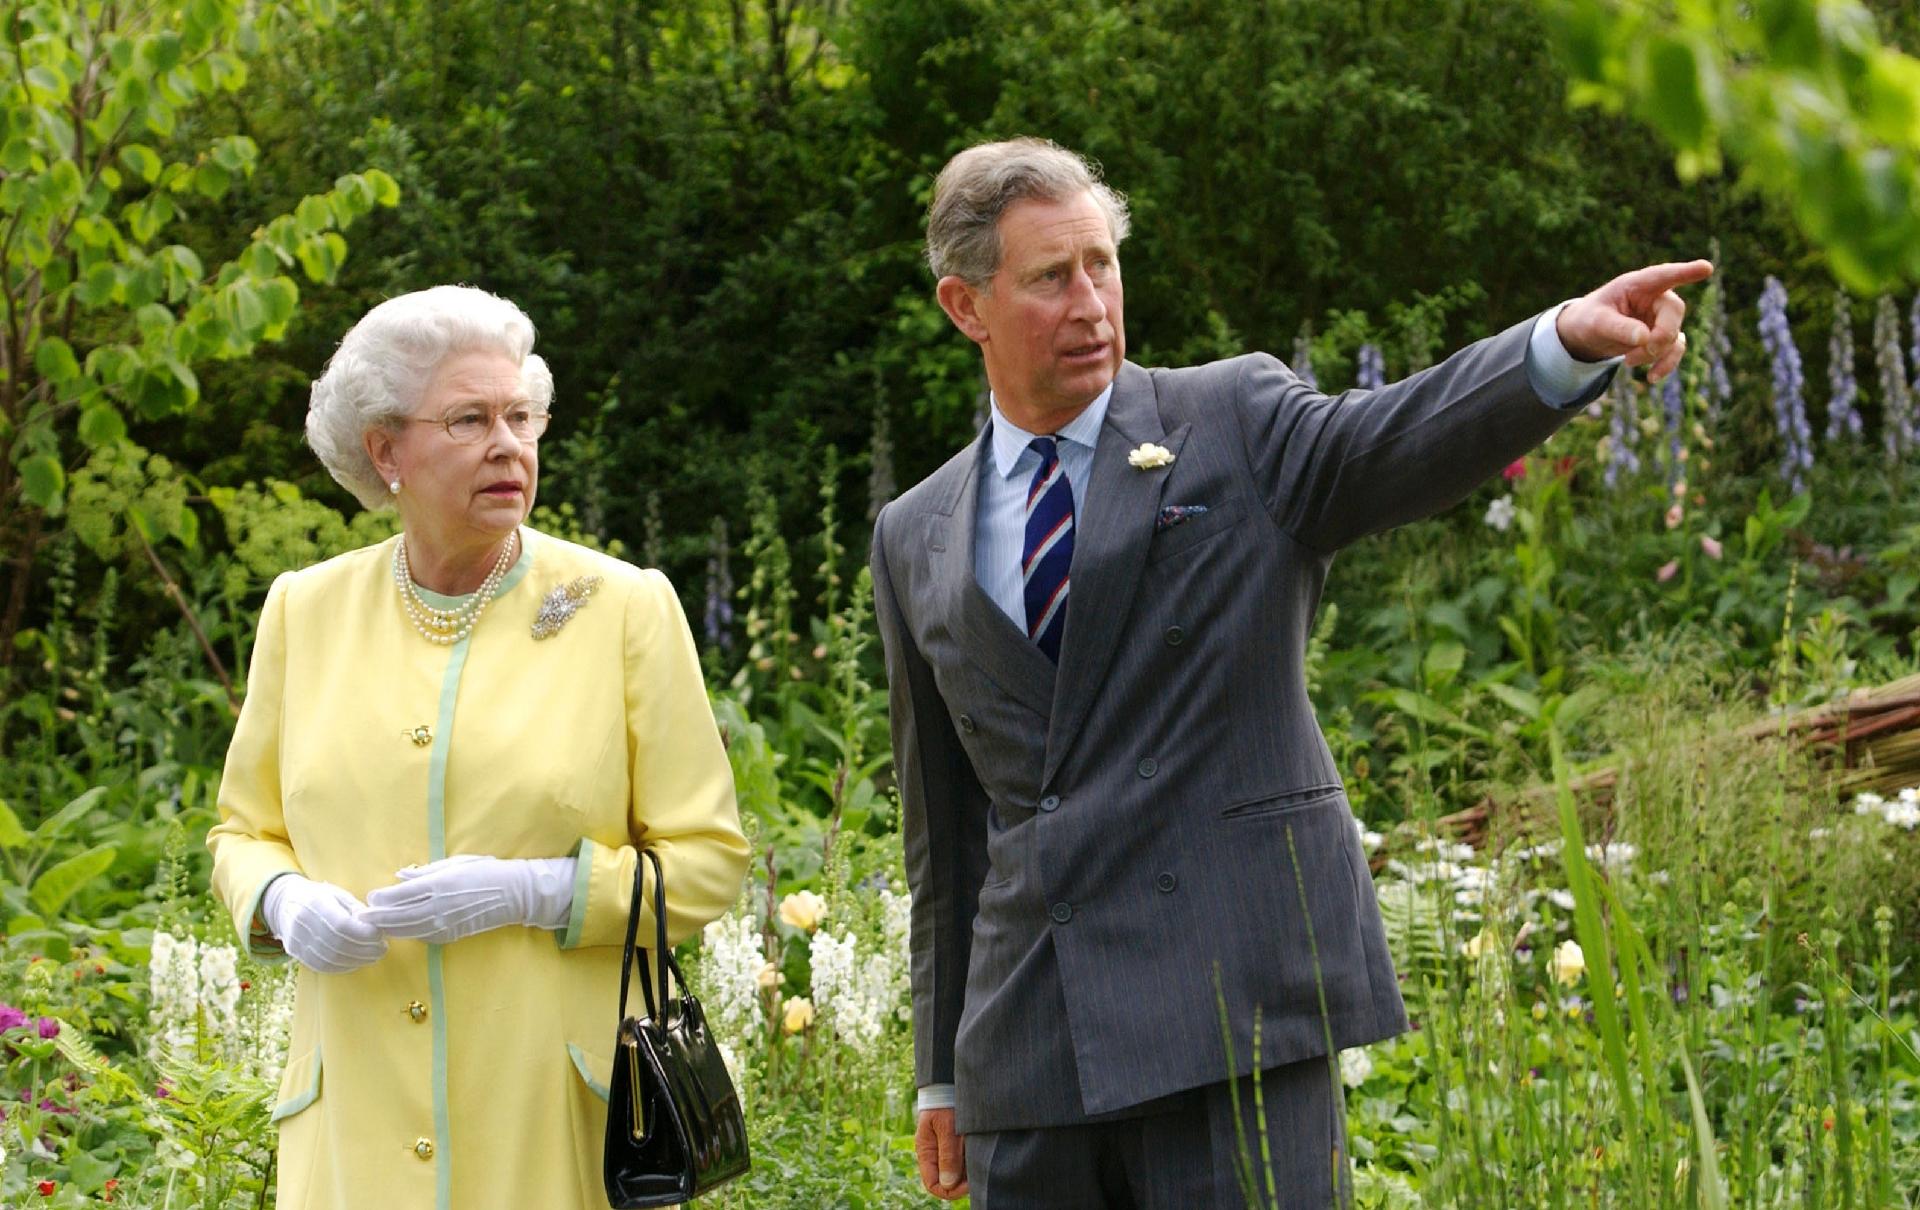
(287, 1109)
(597, 1087)
(263, 947)
(582, 877)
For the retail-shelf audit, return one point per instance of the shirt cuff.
(1560, 379)
(934, 1096)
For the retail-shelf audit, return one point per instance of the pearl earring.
(394, 487)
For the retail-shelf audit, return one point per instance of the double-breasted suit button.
(417, 1011)
(1176, 635)
(966, 723)
(1149, 767)
(1061, 912)
(423, 1148)
(1050, 803)
(1166, 882)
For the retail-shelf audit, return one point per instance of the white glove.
(320, 925)
(457, 897)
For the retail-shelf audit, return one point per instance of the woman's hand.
(320, 925)
(457, 897)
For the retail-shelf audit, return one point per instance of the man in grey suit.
(1130, 853)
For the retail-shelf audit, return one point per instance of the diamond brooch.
(561, 604)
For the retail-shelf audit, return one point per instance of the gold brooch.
(561, 604)
(421, 735)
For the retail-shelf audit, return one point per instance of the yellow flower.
(769, 977)
(1568, 963)
(803, 910)
(1476, 945)
(799, 1014)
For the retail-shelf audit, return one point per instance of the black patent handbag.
(675, 1127)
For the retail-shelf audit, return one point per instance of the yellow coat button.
(417, 1011)
(423, 1148)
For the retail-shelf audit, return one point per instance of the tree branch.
(186, 611)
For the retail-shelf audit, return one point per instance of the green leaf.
(42, 480)
(386, 190)
(12, 835)
(1678, 105)
(45, 84)
(1443, 663)
(62, 881)
(101, 424)
(313, 215)
(211, 180)
(1525, 704)
(97, 288)
(58, 822)
(55, 361)
(142, 161)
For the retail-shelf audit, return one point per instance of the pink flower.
(48, 1027)
(11, 1018)
(1667, 571)
(1675, 515)
(1714, 549)
(1517, 469)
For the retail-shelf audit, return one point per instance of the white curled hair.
(385, 361)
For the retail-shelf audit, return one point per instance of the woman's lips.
(502, 489)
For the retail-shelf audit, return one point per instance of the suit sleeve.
(943, 827)
(680, 800)
(250, 845)
(1333, 468)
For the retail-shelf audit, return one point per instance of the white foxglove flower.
(1500, 513)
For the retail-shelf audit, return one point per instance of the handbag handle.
(662, 956)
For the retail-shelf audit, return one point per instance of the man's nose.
(1083, 298)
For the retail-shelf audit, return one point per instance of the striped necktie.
(1048, 550)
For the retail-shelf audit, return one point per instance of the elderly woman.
(454, 745)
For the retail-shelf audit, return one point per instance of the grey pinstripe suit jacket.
(1103, 854)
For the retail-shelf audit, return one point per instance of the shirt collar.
(1010, 440)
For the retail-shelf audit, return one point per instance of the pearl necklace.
(448, 626)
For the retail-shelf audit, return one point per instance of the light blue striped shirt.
(1000, 524)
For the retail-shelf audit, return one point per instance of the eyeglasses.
(470, 424)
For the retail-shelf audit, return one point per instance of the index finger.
(1657, 279)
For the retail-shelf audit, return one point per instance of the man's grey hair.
(977, 186)
(385, 361)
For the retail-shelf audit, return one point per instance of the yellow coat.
(470, 1075)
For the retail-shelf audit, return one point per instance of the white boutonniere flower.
(1149, 457)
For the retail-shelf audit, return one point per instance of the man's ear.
(961, 302)
(378, 441)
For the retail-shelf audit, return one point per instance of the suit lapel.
(1109, 551)
(989, 636)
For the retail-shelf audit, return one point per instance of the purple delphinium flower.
(1913, 350)
(1719, 385)
(11, 1018)
(1370, 368)
(1302, 363)
(1623, 427)
(1789, 387)
(1896, 397)
(1673, 402)
(1843, 418)
(718, 622)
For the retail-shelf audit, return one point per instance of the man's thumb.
(952, 1158)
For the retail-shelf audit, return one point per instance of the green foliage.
(108, 315)
(1801, 92)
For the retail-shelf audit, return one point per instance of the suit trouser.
(1185, 1156)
